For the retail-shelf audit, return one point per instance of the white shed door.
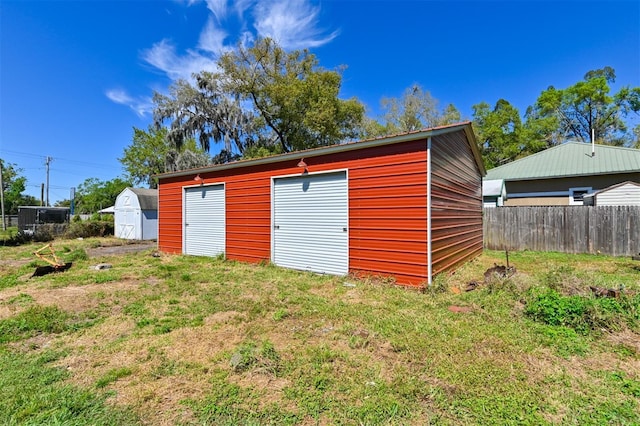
(310, 223)
(204, 233)
(126, 227)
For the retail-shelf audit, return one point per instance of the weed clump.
(585, 314)
(248, 356)
(77, 254)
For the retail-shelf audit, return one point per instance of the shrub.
(585, 314)
(89, 228)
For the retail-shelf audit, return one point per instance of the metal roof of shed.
(570, 159)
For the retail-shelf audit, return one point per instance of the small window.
(576, 195)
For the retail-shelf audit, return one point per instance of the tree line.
(263, 100)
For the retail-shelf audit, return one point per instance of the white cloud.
(218, 8)
(141, 106)
(241, 6)
(212, 38)
(292, 23)
(163, 56)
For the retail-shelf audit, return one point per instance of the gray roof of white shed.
(148, 198)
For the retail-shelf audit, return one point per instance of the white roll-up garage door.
(310, 223)
(204, 226)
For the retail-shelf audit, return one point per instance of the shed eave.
(334, 149)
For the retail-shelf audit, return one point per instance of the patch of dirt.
(626, 338)
(10, 264)
(124, 248)
(73, 299)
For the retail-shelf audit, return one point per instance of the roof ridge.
(564, 144)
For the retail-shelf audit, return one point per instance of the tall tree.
(501, 135)
(204, 112)
(574, 112)
(13, 185)
(295, 103)
(416, 109)
(94, 194)
(151, 152)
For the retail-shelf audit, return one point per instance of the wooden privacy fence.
(613, 230)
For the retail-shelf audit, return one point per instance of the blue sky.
(77, 76)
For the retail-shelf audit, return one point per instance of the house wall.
(555, 192)
(387, 190)
(538, 201)
(456, 202)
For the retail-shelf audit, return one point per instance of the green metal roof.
(570, 159)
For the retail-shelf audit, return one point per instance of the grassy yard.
(188, 340)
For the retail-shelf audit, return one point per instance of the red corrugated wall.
(387, 208)
(456, 202)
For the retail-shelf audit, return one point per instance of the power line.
(24, 154)
(65, 160)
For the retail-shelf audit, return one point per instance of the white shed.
(136, 214)
(622, 194)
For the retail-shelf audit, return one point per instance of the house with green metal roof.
(564, 174)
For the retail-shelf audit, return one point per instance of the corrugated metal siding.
(204, 223)
(623, 195)
(388, 211)
(310, 217)
(170, 215)
(456, 202)
(248, 216)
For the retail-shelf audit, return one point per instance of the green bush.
(89, 228)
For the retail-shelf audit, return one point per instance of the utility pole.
(47, 162)
(4, 225)
(73, 200)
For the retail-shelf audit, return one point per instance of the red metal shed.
(407, 206)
